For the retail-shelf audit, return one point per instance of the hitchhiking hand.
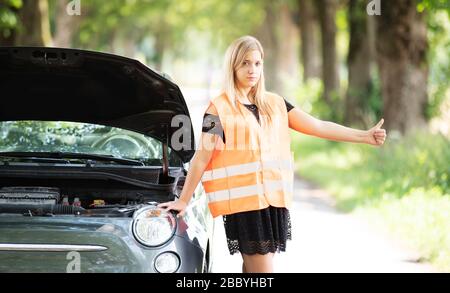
(376, 135)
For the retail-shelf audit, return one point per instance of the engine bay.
(51, 201)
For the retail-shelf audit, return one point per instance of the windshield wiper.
(69, 155)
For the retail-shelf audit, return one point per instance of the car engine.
(48, 201)
(34, 201)
(29, 195)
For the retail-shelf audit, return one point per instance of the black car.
(90, 143)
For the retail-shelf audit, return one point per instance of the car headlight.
(167, 262)
(153, 226)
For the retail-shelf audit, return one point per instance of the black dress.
(253, 232)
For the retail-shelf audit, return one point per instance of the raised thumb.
(379, 123)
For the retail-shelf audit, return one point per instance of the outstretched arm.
(307, 124)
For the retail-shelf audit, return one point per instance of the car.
(90, 143)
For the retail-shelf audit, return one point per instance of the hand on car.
(177, 205)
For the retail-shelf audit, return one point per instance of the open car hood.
(52, 84)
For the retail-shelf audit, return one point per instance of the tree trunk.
(287, 54)
(35, 25)
(327, 16)
(66, 25)
(160, 45)
(359, 62)
(267, 35)
(402, 46)
(279, 37)
(310, 46)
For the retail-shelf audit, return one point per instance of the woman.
(245, 162)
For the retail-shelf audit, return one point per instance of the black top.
(211, 122)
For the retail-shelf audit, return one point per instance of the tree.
(65, 25)
(279, 36)
(359, 61)
(401, 55)
(268, 37)
(289, 39)
(327, 16)
(309, 32)
(34, 29)
(120, 27)
(159, 27)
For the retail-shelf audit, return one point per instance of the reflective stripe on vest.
(258, 189)
(242, 169)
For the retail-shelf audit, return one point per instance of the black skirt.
(258, 232)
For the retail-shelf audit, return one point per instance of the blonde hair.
(234, 58)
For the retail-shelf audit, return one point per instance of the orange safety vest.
(254, 167)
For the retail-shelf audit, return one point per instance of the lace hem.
(258, 232)
(252, 247)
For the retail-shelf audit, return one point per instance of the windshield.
(73, 137)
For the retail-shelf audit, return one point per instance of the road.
(324, 240)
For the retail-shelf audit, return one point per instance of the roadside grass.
(404, 186)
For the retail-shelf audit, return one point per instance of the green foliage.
(8, 16)
(421, 219)
(418, 160)
(439, 60)
(433, 5)
(309, 97)
(153, 23)
(438, 23)
(405, 183)
(227, 20)
(375, 100)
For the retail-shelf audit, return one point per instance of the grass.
(404, 185)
